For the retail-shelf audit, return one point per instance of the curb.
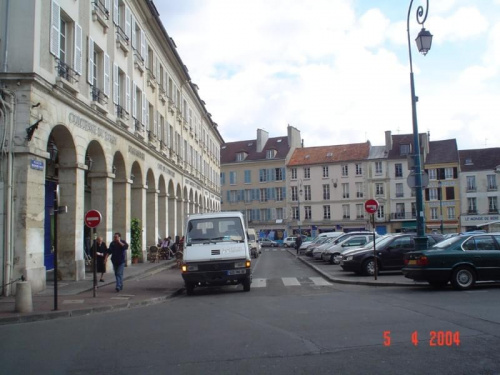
(357, 282)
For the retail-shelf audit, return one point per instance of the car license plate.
(412, 262)
(235, 272)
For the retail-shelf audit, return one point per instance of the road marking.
(290, 281)
(259, 283)
(319, 281)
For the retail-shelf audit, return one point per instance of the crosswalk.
(291, 282)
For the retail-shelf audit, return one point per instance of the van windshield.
(208, 230)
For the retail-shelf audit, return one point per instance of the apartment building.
(479, 178)
(253, 180)
(99, 112)
(442, 195)
(327, 188)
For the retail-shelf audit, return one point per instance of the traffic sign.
(371, 206)
(412, 177)
(93, 218)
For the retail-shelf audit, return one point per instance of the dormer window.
(270, 154)
(468, 161)
(404, 149)
(240, 156)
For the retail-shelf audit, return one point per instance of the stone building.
(480, 196)
(254, 180)
(97, 111)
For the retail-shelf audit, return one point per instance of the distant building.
(253, 180)
(480, 196)
(442, 195)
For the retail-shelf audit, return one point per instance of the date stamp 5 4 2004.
(436, 338)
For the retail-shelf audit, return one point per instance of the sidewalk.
(336, 274)
(144, 284)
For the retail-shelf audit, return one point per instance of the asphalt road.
(291, 322)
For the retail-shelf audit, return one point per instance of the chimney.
(294, 140)
(262, 137)
(388, 140)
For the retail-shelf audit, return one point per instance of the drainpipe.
(6, 37)
(8, 248)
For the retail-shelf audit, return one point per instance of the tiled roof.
(330, 154)
(402, 139)
(229, 150)
(479, 159)
(444, 151)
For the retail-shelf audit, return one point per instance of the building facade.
(253, 180)
(99, 112)
(479, 178)
(327, 188)
(442, 195)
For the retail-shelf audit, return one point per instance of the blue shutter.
(228, 196)
(283, 192)
(283, 174)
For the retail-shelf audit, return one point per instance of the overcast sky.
(338, 70)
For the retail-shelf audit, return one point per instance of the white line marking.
(259, 283)
(319, 281)
(290, 281)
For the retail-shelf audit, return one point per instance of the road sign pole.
(374, 249)
(94, 261)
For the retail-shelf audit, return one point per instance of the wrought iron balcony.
(98, 96)
(66, 72)
(403, 216)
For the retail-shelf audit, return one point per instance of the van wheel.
(189, 289)
(246, 284)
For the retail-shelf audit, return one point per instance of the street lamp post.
(299, 193)
(424, 41)
(441, 205)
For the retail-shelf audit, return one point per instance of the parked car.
(333, 253)
(461, 260)
(314, 245)
(333, 241)
(290, 241)
(266, 242)
(390, 254)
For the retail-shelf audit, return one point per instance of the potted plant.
(135, 240)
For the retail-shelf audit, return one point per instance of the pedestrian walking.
(298, 242)
(118, 249)
(101, 256)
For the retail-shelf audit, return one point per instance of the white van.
(216, 251)
(253, 243)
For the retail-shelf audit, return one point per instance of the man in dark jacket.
(118, 249)
(298, 242)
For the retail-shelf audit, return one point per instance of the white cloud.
(337, 73)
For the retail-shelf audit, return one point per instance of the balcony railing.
(98, 96)
(121, 112)
(403, 216)
(66, 72)
(492, 187)
(138, 126)
(472, 212)
(121, 36)
(101, 9)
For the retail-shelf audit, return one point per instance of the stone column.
(28, 212)
(70, 225)
(172, 209)
(151, 218)
(138, 210)
(102, 200)
(163, 230)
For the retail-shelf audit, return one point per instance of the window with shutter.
(54, 29)
(78, 49)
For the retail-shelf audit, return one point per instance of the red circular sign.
(371, 206)
(93, 218)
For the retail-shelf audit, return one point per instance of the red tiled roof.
(330, 154)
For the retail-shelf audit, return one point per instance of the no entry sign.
(93, 218)
(371, 206)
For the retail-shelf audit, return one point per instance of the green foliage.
(135, 237)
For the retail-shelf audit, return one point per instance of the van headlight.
(348, 258)
(189, 267)
(239, 265)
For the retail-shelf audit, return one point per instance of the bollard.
(24, 302)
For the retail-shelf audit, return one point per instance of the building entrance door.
(50, 187)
